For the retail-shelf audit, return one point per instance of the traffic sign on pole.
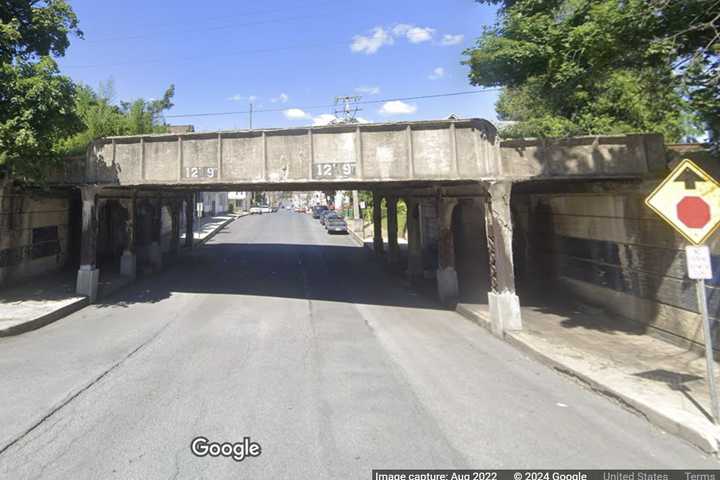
(689, 200)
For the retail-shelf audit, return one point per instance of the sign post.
(700, 269)
(689, 200)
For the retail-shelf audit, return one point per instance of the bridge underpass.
(458, 169)
(274, 317)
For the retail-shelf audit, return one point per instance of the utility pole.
(356, 205)
(346, 108)
(251, 114)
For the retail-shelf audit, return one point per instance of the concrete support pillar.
(392, 223)
(88, 275)
(128, 261)
(378, 245)
(503, 302)
(189, 219)
(356, 205)
(415, 254)
(175, 208)
(446, 275)
(155, 248)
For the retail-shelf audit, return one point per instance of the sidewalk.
(205, 228)
(660, 381)
(366, 236)
(51, 297)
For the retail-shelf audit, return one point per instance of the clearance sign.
(689, 200)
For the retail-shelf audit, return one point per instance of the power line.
(206, 28)
(317, 107)
(240, 14)
(205, 56)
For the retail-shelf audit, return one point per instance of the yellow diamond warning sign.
(689, 200)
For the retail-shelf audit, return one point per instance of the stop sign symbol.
(694, 212)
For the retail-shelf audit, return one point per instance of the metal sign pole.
(702, 302)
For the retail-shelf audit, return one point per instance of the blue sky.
(286, 55)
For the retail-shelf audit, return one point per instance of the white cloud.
(413, 33)
(282, 98)
(362, 120)
(371, 44)
(323, 119)
(397, 107)
(401, 29)
(295, 114)
(368, 90)
(379, 36)
(448, 39)
(437, 73)
(420, 34)
(242, 98)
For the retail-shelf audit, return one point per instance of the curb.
(215, 231)
(46, 319)
(699, 438)
(81, 303)
(356, 237)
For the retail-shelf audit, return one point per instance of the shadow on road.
(334, 273)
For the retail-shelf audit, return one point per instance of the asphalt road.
(299, 340)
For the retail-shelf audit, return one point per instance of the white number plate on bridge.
(334, 170)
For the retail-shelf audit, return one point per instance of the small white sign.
(362, 204)
(698, 262)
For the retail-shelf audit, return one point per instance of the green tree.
(101, 117)
(572, 67)
(36, 102)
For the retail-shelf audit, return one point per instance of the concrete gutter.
(697, 431)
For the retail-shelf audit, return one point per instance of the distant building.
(211, 203)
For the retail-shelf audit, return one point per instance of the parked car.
(324, 215)
(334, 223)
(260, 209)
(318, 209)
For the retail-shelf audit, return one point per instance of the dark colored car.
(324, 215)
(334, 223)
(318, 210)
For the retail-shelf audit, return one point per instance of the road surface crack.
(87, 387)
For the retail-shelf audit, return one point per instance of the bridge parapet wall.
(437, 150)
(429, 152)
(598, 156)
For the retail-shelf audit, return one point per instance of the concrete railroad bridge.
(446, 166)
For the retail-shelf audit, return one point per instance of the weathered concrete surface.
(88, 279)
(582, 156)
(34, 233)
(425, 152)
(278, 331)
(602, 244)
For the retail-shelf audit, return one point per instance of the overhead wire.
(317, 107)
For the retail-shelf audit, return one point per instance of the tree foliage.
(36, 102)
(100, 117)
(603, 66)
